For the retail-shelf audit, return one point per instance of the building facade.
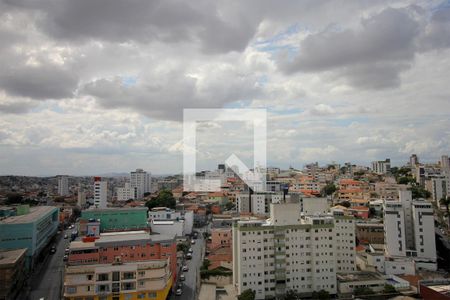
(140, 183)
(63, 185)
(290, 252)
(100, 193)
(118, 219)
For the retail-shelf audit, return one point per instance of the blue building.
(32, 230)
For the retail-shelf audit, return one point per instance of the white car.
(185, 268)
(178, 292)
(193, 242)
(182, 277)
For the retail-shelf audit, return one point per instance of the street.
(193, 275)
(48, 282)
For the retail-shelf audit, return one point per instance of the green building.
(32, 230)
(118, 219)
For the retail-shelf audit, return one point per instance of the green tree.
(291, 295)
(419, 192)
(363, 291)
(345, 204)
(329, 189)
(164, 199)
(389, 289)
(14, 198)
(321, 295)
(247, 295)
(183, 247)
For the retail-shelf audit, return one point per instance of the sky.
(96, 86)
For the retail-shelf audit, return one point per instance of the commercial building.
(140, 183)
(12, 273)
(32, 228)
(290, 252)
(119, 280)
(100, 193)
(118, 219)
(407, 226)
(63, 185)
(185, 217)
(381, 166)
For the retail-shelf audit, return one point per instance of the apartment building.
(63, 185)
(381, 166)
(100, 193)
(438, 186)
(140, 183)
(130, 246)
(119, 280)
(290, 252)
(407, 227)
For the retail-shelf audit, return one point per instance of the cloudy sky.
(96, 86)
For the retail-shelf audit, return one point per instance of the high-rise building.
(290, 252)
(125, 193)
(381, 166)
(413, 160)
(100, 193)
(140, 183)
(445, 163)
(63, 185)
(409, 230)
(81, 197)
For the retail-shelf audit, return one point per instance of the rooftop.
(359, 276)
(34, 214)
(11, 256)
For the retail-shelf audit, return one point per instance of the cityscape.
(224, 150)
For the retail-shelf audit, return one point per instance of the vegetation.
(219, 271)
(164, 199)
(346, 204)
(247, 295)
(363, 291)
(329, 189)
(291, 295)
(389, 289)
(321, 295)
(419, 192)
(183, 247)
(14, 198)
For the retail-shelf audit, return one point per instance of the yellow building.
(118, 281)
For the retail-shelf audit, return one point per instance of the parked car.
(180, 285)
(182, 277)
(53, 250)
(185, 268)
(189, 256)
(178, 292)
(67, 251)
(193, 242)
(66, 236)
(65, 258)
(190, 250)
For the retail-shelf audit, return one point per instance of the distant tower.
(63, 185)
(81, 197)
(140, 182)
(100, 192)
(413, 160)
(445, 163)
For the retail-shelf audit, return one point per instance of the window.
(152, 295)
(102, 277)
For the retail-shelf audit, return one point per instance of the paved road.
(48, 282)
(193, 275)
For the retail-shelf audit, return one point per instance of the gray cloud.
(16, 107)
(370, 57)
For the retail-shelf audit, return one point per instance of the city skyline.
(105, 91)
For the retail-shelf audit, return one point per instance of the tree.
(14, 198)
(247, 295)
(419, 192)
(321, 295)
(329, 189)
(291, 295)
(346, 204)
(363, 291)
(389, 289)
(183, 247)
(164, 199)
(445, 201)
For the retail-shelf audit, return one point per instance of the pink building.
(131, 246)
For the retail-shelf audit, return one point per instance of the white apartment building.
(290, 252)
(140, 183)
(81, 197)
(409, 231)
(438, 186)
(258, 203)
(381, 166)
(63, 185)
(100, 193)
(125, 193)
